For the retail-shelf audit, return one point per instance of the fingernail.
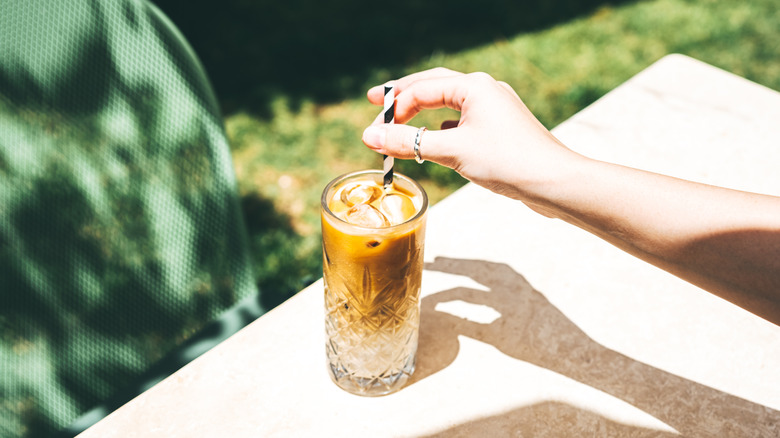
(374, 137)
(381, 88)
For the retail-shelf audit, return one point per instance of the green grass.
(288, 153)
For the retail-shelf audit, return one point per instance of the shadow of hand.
(531, 329)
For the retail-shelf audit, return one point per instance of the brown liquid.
(372, 288)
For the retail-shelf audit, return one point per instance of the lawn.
(291, 78)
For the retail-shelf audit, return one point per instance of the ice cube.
(364, 215)
(360, 193)
(397, 208)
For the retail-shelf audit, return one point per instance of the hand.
(724, 241)
(497, 143)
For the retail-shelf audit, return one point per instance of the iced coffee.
(372, 241)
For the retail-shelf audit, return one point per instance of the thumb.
(398, 141)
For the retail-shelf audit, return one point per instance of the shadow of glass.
(531, 329)
(328, 50)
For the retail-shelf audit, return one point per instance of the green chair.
(122, 243)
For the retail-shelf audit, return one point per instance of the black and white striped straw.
(389, 113)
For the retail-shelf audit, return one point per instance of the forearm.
(725, 241)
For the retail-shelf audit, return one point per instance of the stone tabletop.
(529, 326)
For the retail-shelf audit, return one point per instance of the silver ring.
(417, 139)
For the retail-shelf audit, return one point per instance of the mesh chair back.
(120, 228)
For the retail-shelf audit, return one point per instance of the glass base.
(374, 386)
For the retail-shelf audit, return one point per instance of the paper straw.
(389, 112)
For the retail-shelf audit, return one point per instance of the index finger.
(376, 94)
(430, 92)
(446, 92)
